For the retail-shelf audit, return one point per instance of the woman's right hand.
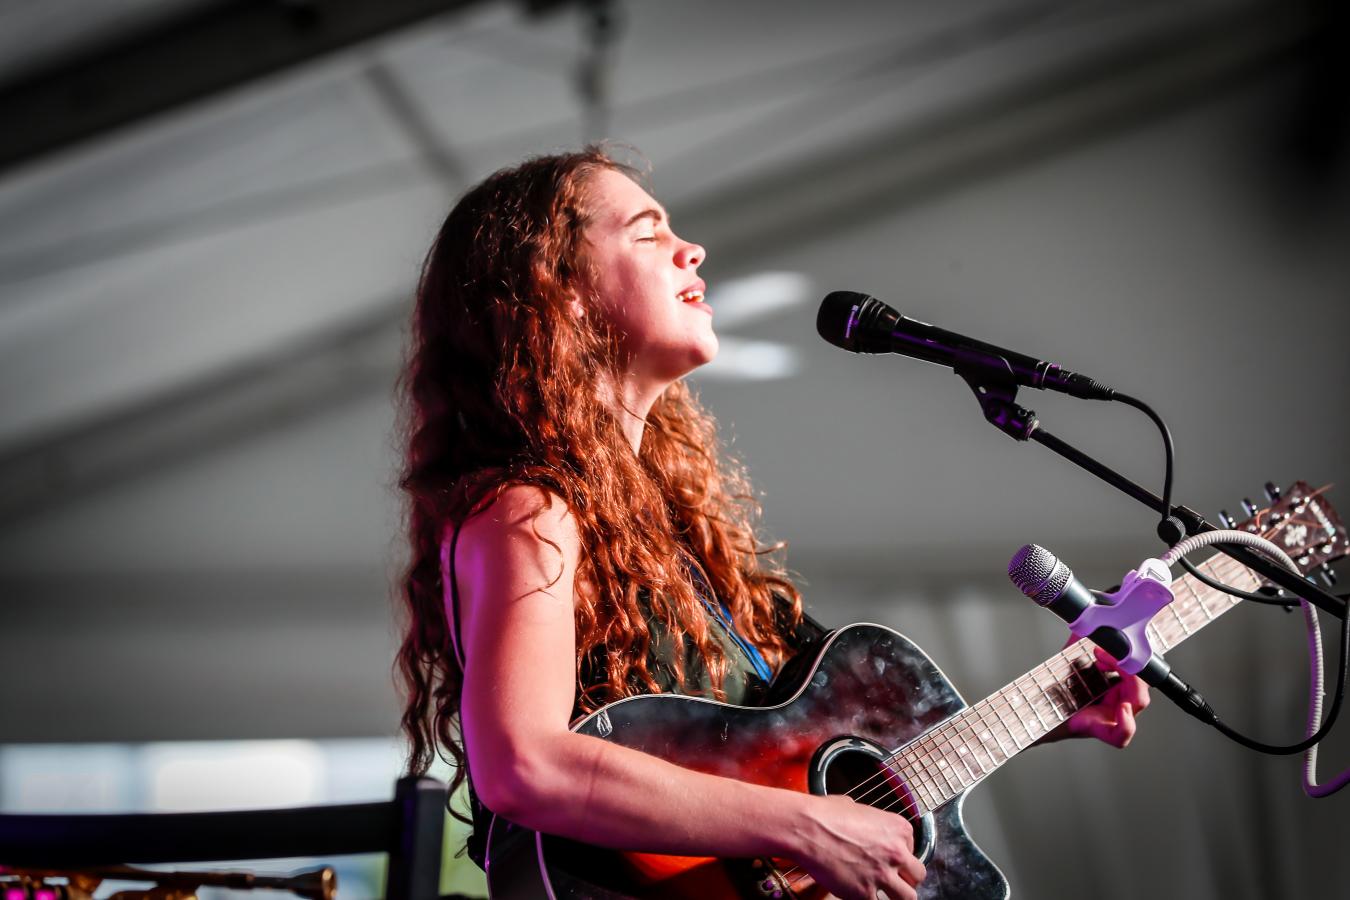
(854, 851)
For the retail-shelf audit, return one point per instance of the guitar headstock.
(1303, 523)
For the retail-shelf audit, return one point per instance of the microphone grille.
(856, 322)
(1038, 573)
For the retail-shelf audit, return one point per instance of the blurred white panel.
(743, 360)
(188, 777)
(745, 300)
(67, 778)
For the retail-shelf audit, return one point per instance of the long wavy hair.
(503, 386)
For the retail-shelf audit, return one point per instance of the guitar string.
(1072, 660)
(1073, 663)
(962, 731)
(934, 737)
(948, 734)
(948, 731)
(1076, 653)
(1221, 567)
(1070, 655)
(1074, 657)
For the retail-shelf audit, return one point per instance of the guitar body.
(868, 692)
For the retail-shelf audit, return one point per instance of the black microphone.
(863, 324)
(1040, 575)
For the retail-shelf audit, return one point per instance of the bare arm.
(516, 614)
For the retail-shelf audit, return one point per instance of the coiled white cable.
(1315, 661)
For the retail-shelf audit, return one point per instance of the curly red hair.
(502, 387)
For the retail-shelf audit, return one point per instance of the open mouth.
(690, 296)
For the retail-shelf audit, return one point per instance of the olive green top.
(742, 686)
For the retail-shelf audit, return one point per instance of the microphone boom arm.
(998, 401)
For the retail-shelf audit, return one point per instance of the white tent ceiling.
(209, 304)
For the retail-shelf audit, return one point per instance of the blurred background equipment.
(57, 884)
(36, 848)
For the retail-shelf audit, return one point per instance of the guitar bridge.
(769, 881)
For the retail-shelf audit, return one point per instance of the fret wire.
(918, 786)
(1072, 682)
(1064, 682)
(903, 765)
(1034, 711)
(917, 774)
(931, 775)
(931, 801)
(1023, 704)
(1180, 621)
(1076, 675)
(1209, 567)
(951, 751)
(1164, 636)
(983, 713)
(933, 766)
(1040, 689)
(952, 734)
(948, 756)
(1006, 712)
(1001, 722)
(988, 713)
(942, 767)
(1099, 683)
(1054, 706)
(971, 717)
(1191, 618)
(989, 719)
(1067, 706)
(1190, 586)
(931, 783)
(1199, 616)
(1014, 701)
(963, 751)
(1238, 573)
(1231, 574)
(976, 723)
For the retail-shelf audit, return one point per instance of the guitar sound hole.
(857, 768)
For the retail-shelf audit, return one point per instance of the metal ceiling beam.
(186, 60)
(988, 135)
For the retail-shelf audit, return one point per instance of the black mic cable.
(1045, 579)
(860, 323)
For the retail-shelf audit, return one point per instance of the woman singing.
(577, 539)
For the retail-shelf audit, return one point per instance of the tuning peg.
(1248, 507)
(1226, 520)
(1328, 574)
(1272, 492)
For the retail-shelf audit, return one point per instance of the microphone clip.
(1127, 612)
(998, 402)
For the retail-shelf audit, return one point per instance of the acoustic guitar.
(870, 715)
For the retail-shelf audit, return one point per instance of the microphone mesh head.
(839, 318)
(1038, 573)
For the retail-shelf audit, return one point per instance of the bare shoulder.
(519, 510)
(524, 532)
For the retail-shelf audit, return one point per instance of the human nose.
(690, 255)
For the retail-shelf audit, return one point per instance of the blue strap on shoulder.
(723, 615)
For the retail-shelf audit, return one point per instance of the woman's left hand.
(1111, 718)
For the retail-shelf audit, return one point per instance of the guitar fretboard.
(963, 750)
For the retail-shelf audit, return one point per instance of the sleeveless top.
(746, 683)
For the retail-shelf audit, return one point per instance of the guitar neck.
(958, 753)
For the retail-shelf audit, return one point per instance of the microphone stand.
(998, 400)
